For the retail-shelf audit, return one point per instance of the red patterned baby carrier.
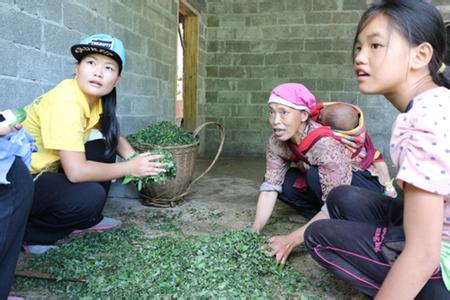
(356, 140)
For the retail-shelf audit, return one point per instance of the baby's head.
(340, 116)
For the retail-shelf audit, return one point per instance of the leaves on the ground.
(127, 264)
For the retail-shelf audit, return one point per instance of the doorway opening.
(187, 66)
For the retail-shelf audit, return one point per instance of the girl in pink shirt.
(398, 53)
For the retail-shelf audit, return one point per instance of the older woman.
(304, 180)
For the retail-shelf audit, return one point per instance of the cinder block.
(347, 17)
(39, 66)
(302, 57)
(237, 46)
(318, 45)
(291, 18)
(290, 71)
(99, 6)
(259, 97)
(78, 17)
(254, 111)
(121, 14)
(46, 9)
(245, 7)
(9, 55)
(298, 5)
(276, 59)
(249, 85)
(231, 72)
(58, 39)
(20, 28)
(337, 58)
(271, 6)
(318, 17)
(213, 21)
(248, 59)
(319, 5)
(290, 45)
(249, 34)
(218, 109)
(261, 71)
(329, 84)
(24, 92)
(264, 19)
(354, 5)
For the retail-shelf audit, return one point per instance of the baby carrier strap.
(299, 151)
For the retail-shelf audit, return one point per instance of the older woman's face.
(287, 123)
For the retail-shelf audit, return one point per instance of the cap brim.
(81, 50)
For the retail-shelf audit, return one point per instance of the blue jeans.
(15, 204)
(309, 202)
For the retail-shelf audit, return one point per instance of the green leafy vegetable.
(170, 167)
(161, 134)
(127, 264)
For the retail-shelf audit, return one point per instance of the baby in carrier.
(344, 118)
(339, 116)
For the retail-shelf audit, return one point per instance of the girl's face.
(96, 75)
(287, 123)
(381, 58)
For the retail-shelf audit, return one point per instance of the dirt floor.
(224, 199)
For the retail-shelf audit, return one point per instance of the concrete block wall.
(254, 45)
(36, 37)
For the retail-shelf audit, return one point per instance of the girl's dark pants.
(309, 202)
(15, 204)
(350, 243)
(60, 206)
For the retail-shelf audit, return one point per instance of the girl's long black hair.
(419, 22)
(109, 124)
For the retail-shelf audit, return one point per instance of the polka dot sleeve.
(420, 145)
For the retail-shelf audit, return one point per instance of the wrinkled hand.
(282, 246)
(146, 164)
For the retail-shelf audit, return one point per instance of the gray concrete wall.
(253, 45)
(36, 37)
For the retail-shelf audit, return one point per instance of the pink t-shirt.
(420, 146)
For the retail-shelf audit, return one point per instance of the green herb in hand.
(170, 167)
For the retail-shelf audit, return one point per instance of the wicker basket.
(173, 190)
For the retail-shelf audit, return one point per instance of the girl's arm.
(423, 219)
(124, 148)
(264, 208)
(78, 169)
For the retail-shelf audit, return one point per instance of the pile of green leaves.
(126, 264)
(161, 134)
(170, 167)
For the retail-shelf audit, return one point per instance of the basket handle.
(219, 150)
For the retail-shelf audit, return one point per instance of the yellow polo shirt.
(59, 120)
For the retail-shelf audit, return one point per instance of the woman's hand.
(282, 245)
(146, 164)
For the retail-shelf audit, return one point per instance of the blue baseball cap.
(102, 44)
